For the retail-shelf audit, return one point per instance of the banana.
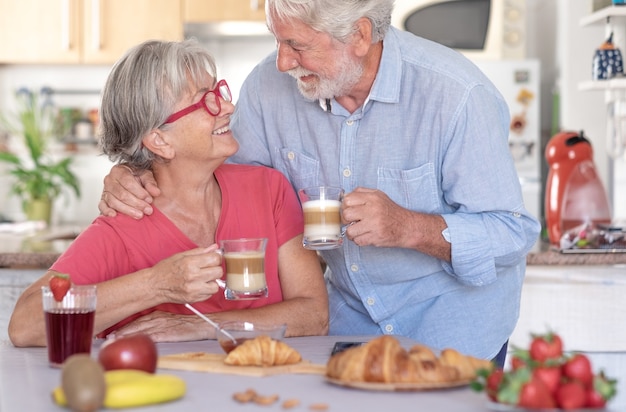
(147, 390)
(129, 388)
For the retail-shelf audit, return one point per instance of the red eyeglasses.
(210, 101)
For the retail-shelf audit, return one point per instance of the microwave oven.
(480, 29)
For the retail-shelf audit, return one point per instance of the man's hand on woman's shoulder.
(128, 192)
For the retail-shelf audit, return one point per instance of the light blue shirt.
(433, 136)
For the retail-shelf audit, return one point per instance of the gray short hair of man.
(337, 18)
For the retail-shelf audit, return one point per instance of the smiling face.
(323, 67)
(200, 135)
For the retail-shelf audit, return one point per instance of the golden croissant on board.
(263, 351)
(384, 360)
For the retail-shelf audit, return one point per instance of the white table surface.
(26, 381)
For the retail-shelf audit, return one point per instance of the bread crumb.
(245, 397)
(291, 403)
(265, 400)
(318, 406)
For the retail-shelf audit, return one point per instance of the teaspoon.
(209, 321)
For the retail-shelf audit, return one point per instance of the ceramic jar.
(607, 61)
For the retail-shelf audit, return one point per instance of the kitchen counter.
(26, 381)
(30, 247)
(554, 257)
(545, 254)
(39, 249)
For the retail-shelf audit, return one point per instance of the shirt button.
(370, 301)
(291, 155)
(516, 214)
(354, 268)
(389, 328)
(347, 173)
(350, 122)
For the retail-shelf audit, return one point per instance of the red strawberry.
(595, 399)
(603, 390)
(571, 395)
(578, 367)
(493, 383)
(544, 347)
(535, 395)
(549, 374)
(488, 380)
(520, 358)
(521, 388)
(59, 283)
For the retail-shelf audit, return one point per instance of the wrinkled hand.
(168, 327)
(189, 276)
(128, 192)
(374, 219)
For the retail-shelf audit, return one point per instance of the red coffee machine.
(574, 191)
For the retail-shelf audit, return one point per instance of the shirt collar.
(386, 87)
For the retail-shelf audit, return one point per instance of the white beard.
(327, 88)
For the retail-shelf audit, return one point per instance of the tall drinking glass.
(69, 323)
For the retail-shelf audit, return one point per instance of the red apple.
(129, 352)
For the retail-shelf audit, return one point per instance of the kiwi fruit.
(82, 380)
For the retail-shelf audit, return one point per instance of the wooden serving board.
(214, 363)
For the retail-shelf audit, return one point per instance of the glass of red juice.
(69, 323)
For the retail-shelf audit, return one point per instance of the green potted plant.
(38, 179)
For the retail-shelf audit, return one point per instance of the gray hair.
(141, 92)
(334, 17)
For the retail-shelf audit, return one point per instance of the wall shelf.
(614, 17)
(600, 16)
(615, 83)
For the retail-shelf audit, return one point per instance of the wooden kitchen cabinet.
(35, 31)
(113, 26)
(202, 11)
(83, 31)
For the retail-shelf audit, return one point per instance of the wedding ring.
(345, 228)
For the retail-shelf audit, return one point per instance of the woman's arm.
(304, 307)
(305, 300)
(183, 277)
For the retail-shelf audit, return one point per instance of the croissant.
(422, 353)
(262, 351)
(466, 365)
(380, 360)
(383, 360)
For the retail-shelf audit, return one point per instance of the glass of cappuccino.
(322, 221)
(245, 268)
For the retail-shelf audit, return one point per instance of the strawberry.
(520, 358)
(544, 347)
(59, 284)
(549, 374)
(521, 388)
(578, 367)
(535, 395)
(493, 383)
(488, 380)
(571, 395)
(602, 390)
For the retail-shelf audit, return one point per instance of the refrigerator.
(519, 82)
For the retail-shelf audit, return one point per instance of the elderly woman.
(163, 109)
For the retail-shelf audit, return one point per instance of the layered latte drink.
(245, 271)
(322, 220)
(245, 268)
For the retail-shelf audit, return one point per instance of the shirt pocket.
(301, 170)
(414, 189)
